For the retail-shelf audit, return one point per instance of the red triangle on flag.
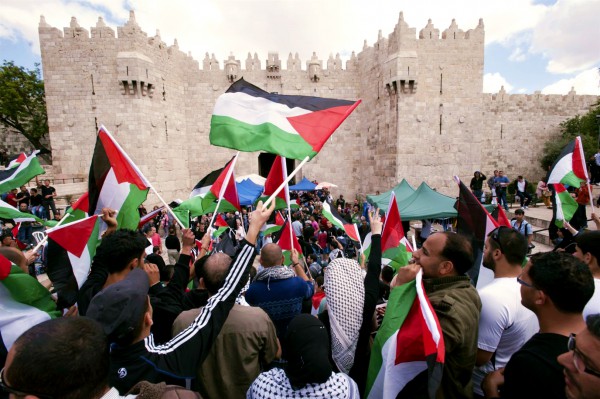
(220, 222)
(275, 178)
(230, 194)
(83, 203)
(279, 221)
(392, 232)
(74, 236)
(123, 168)
(502, 218)
(316, 127)
(5, 266)
(284, 239)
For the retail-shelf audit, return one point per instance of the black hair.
(564, 278)
(459, 251)
(120, 248)
(50, 351)
(589, 242)
(320, 280)
(166, 274)
(512, 244)
(387, 274)
(519, 212)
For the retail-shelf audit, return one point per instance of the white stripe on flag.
(113, 194)
(16, 318)
(256, 110)
(81, 266)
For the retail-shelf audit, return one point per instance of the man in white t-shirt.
(588, 251)
(505, 324)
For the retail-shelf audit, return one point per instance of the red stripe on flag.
(5, 266)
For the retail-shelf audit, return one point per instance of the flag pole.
(286, 181)
(167, 206)
(591, 196)
(223, 188)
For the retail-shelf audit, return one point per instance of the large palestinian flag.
(8, 211)
(276, 177)
(565, 205)
(334, 217)
(71, 249)
(24, 302)
(20, 171)
(407, 357)
(287, 241)
(115, 182)
(474, 222)
(570, 167)
(250, 119)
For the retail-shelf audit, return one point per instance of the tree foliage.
(585, 126)
(23, 103)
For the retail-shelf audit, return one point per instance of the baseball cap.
(120, 306)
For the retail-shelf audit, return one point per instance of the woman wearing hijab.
(307, 373)
(351, 302)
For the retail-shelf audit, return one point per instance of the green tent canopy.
(426, 203)
(403, 190)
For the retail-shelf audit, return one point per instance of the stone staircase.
(68, 186)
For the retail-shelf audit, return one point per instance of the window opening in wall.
(440, 124)
(501, 130)
(127, 70)
(441, 82)
(93, 91)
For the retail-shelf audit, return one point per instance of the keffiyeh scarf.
(345, 289)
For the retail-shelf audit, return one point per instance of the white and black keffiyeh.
(274, 384)
(345, 290)
(274, 273)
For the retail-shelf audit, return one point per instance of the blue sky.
(531, 45)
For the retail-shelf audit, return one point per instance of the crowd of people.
(167, 312)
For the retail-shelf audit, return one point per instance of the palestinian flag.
(16, 160)
(407, 358)
(115, 182)
(565, 205)
(273, 228)
(79, 210)
(287, 238)
(24, 302)
(396, 251)
(15, 234)
(222, 226)
(334, 217)
(20, 171)
(570, 167)
(149, 216)
(250, 119)
(8, 211)
(71, 249)
(474, 222)
(276, 177)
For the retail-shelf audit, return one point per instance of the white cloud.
(492, 82)
(324, 26)
(587, 82)
(568, 36)
(517, 55)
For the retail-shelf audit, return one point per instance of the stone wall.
(423, 115)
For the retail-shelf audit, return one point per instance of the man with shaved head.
(246, 343)
(279, 290)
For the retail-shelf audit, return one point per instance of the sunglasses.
(6, 388)
(495, 235)
(577, 359)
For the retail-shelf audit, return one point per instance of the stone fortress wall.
(423, 114)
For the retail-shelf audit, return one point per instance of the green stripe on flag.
(399, 303)
(129, 216)
(232, 133)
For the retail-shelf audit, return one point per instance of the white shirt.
(593, 306)
(521, 185)
(297, 227)
(504, 325)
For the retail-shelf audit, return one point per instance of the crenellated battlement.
(419, 91)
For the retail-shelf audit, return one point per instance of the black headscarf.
(306, 349)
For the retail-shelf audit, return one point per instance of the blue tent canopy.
(248, 191)
(304, 185)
